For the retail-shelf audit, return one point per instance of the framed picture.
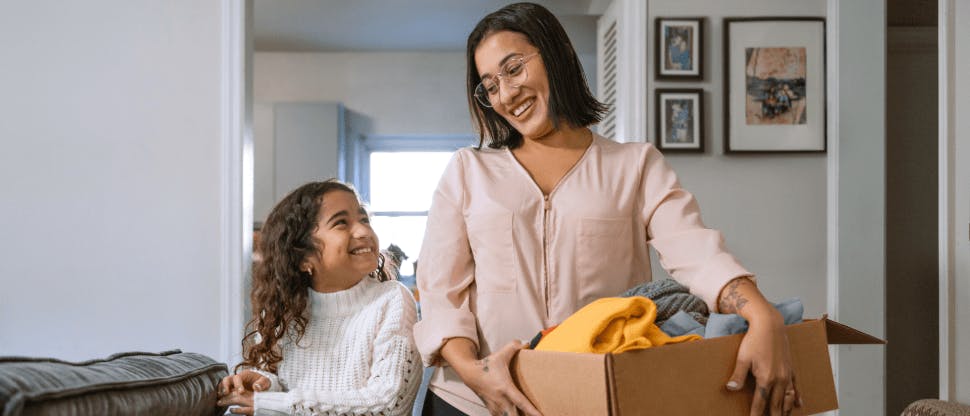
(774, 84)
(680, 47)
(680, 120)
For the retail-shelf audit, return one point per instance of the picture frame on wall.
(679, 117)
(679, 48)
(774, 84)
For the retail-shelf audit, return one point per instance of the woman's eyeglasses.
(514, 73)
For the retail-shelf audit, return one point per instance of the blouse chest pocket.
(604, 249)
(490, 238)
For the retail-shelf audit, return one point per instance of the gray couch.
(933, 407)
(132, 383)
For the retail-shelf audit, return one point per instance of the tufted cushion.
(132, 383)
(933, 407)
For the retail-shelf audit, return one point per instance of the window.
(397, 177)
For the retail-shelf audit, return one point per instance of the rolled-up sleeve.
(693, 254)
(445, 269)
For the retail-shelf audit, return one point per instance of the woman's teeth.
(520, 109)
(361, 250)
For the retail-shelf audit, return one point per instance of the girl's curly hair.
(280, 290)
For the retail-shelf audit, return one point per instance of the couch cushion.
(934, 407)
(131, 383)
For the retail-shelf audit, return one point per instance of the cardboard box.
(678, 379)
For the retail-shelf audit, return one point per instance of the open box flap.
(843, 334)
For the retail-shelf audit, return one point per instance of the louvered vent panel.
(607, 127)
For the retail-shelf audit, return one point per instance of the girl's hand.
(242, 400)
(238, 389)
(491, 380)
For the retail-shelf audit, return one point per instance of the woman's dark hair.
(569, 95)
(280, 288)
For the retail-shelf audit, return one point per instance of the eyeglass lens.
(513, 74)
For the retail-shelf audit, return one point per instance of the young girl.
(330, 334)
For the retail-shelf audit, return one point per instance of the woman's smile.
(517, 112)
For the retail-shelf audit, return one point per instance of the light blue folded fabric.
(719, 325)
(682, 324)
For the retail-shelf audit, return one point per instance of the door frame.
(237, 174)
(949, 193)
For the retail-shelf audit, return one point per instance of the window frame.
(356, 160)
(358, 157)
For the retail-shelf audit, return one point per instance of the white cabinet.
(294, 143)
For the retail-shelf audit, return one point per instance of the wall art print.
(679, 49)
(679, 120)
(774, 83)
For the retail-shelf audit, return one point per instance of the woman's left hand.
(764, 351)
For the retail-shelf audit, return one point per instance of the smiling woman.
(545, 217)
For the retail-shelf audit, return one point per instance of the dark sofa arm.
(133, 383)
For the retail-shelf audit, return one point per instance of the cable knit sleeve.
(274, 380)
(446, 269)
(693, 254)
(395, 373)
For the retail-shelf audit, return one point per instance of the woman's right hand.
(491, 380)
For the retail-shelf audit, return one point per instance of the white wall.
(399, 93)
(299, 146)
(770, 207)
(111, 173)
(384, 93)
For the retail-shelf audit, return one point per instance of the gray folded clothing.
(670, 297)
(719, 325)
(133, 383)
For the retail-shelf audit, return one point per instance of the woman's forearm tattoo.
(731, 300)
(484, 364)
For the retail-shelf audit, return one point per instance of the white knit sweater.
(357, 356)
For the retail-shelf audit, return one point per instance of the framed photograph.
(680, 120)
(774, 84)
(680, 47)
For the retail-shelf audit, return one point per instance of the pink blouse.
(501, 261)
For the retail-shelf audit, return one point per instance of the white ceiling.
(396, 25)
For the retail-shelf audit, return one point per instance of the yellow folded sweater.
(611, 325)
